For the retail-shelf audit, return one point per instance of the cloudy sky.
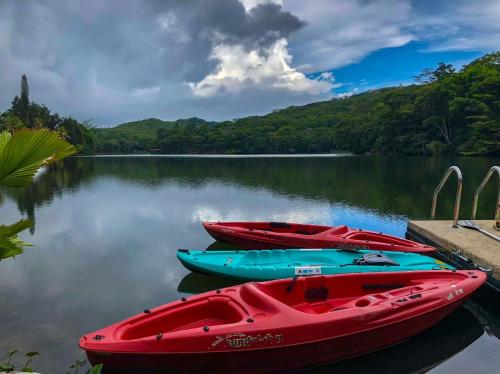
(121, 60)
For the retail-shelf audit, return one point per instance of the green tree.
(10, 122)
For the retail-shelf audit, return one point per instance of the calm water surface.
(107, 229)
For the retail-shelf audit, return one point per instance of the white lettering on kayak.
(240, 340)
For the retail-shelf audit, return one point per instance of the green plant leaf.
(12, 352)
(79, 363)
(97, 369)
(10, 244)
(32, 354)
(27, 370)
(26, 151)
(6, 367)
(15, 228)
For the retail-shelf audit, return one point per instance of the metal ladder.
(458, 195)
(490, 172)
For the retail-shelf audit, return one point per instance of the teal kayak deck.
(260, 265)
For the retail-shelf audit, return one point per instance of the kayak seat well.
(319, 294)
(310, 230)
(287, 228)
(206, 312)
(364, 236)
(337, 230)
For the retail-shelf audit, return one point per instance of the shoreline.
(298, 155)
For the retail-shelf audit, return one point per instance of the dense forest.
(24, 113)
(445, 111)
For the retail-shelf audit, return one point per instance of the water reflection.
(486, 307)
(391, 186)
(195, 283)
(107, 231)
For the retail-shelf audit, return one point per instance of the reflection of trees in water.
(59, 178)
(390, 185)
(386, 185)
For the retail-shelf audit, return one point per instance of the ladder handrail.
(480, 188)
(458, 195)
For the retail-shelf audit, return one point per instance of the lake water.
(107, 230)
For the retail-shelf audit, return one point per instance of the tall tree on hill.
(25, 88)
(21, 104)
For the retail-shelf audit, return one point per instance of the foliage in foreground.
(22, 154)
(450, 111)
(8, 365)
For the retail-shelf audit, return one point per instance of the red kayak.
(282, 324)
(271, 235)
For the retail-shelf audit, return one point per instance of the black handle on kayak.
(292, 284)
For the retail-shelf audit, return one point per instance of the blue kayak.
(260, 265)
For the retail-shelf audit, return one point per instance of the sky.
(122, 60)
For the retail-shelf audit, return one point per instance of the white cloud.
(466, 26)
(145, 91)
(340, 32)
(249, 4)
(238, 69)
(327, 76)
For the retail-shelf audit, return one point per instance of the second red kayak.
(271, 235)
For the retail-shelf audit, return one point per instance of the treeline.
(24, 113)
(449, 111)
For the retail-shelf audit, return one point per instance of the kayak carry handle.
(292, 284)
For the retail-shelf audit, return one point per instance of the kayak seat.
(314, 308)
(316, 294)
(280, 225)
(373, 237)
(328, 305)
(337, 230)
(303, 232)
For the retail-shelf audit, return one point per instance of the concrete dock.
(470, 244)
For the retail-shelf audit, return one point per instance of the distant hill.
(449, 111)
(137, 136)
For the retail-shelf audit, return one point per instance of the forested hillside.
(447, 111)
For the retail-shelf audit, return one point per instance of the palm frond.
(10, 244)
(15, 228)
(24, 152)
